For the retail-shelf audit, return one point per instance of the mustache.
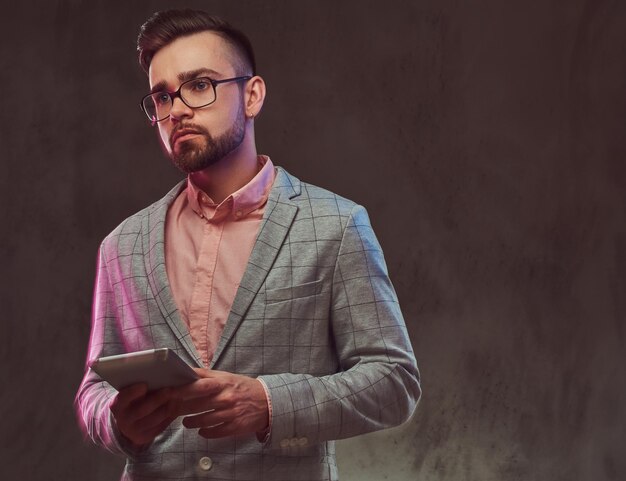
(183, 129)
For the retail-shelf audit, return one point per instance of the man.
(274, 289)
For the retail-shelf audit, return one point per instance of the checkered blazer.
(315, 317)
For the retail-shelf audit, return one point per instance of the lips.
(181, 133)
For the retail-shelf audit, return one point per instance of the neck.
(229, 174)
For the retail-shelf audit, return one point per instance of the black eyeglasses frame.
(174, 95)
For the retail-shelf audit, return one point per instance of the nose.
(180, 109)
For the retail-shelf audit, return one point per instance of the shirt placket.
(201, 300)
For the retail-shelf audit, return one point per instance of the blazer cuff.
(288, 435)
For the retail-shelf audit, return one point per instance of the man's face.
(198, 138)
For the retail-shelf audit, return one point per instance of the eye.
(201, 84)
(161, 98)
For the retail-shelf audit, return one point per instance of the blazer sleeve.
(94, 395)
(378, 385)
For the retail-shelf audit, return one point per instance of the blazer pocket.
(294, 292)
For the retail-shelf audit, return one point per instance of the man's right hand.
(141, 415)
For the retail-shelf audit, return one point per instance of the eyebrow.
(184, 77)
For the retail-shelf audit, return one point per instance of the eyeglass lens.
(195, 93)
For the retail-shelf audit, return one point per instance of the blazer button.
(293, 442)
(284, 443)
(205, 463)
(302, 442)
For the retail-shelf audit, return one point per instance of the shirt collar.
(240, 203)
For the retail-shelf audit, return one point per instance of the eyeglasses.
(194, 93)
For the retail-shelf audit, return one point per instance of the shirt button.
(238, 213)
(284, 443)
(205, 463)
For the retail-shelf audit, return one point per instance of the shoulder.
(317, 204)
(288, 186)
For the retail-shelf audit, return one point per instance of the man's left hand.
(229, 404)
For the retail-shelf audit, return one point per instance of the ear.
(255, 96)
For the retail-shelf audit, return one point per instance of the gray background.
(486, 139)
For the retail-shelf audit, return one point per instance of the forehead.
(185, 54)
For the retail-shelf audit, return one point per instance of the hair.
(164, 27)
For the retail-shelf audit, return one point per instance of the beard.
(201, 152)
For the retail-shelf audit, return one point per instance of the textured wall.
(486, 139)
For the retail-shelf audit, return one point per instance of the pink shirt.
(207, 247)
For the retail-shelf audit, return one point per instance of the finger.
(220, 431)
(151, 403)
(158, 429)
(226, 398)
(147, 436)
(209, 418)
(216, 416)
(128, 395)
(153, 420)
(199, 405)
(200, 388)
(203, 373)
(144, 430)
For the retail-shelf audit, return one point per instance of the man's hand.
(141, 415)
(229, 404)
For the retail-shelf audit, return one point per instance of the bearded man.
(274, 290)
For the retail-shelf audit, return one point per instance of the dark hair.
(166, 26)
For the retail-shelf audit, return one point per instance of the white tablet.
(157, 368)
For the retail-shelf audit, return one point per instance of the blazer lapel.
(153, 229)
(279, 214)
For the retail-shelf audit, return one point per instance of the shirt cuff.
(264, 436)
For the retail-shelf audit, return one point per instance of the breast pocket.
(306, 302)
(290, 293)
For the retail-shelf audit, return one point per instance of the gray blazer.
(315, 317)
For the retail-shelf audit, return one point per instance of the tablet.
(157, 368)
